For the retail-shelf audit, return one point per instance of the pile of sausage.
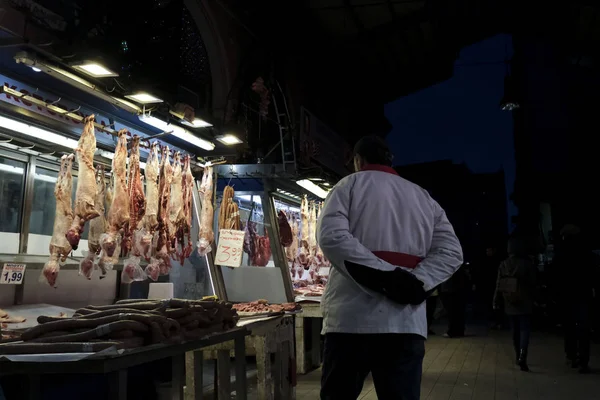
(127, 324)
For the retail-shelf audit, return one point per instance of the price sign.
(12, 274)
(231, 248)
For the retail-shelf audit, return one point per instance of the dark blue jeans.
(394, 360)
(521, 325)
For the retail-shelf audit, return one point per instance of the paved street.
(481, 367)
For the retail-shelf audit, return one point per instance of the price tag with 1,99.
(230, 248)
(12, 274)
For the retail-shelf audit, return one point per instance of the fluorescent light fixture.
(313, 188)
(229, 140)
(317, 179)
(197, 123)
(178, 132)
(144, 98)
(35, 69)
(94, 69)
(73, 80)
(38, 133)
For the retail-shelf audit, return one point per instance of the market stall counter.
(110, 340)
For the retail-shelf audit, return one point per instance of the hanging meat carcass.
(292, 251)
(150, 222)
(118, 213)
(250, 240)
(137, 200)
(206, 234)
(312, 229)
(184, 248)
(285, 230)
(85, 203)
(176, 217)
(98, 224)
(163, 244)
(59, 245)
(303, 257)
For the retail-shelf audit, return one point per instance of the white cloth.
(380, 211)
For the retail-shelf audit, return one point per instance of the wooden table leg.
(278, 374)
(177, 378)
(118, 385)
(224, 375)
(263, 367)
(193, 375)
(316, 342)
(240, 369)
(286, 380)
(301, 366)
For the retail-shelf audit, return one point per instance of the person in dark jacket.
(516, 285)
(576, 291)
(453, 293)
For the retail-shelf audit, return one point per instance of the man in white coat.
(389, 244)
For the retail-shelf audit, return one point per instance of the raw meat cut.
(137, 201)
(206, 234)
(132, 271)
(118, 213)
(285, 230)
(263, 251)
(292, 251)
(85, 197)
(164, 206)
(250, 240)
(63, 217)
(98, 224)
(303, 257)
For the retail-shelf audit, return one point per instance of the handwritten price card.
(230, 249)
(12, 274)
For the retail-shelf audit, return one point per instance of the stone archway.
(208, 26)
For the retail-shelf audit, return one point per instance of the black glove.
(399, 285)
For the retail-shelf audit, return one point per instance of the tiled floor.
(481, 367)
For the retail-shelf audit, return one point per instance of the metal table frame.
(117, 366)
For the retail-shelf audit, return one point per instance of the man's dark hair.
(374, 150)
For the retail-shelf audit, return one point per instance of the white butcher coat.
(377, 210)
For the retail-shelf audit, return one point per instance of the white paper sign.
(12, 274)
(230, 249)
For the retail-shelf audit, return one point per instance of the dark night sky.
(459, 119)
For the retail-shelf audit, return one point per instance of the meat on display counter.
(281, 262)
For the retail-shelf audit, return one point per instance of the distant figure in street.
(516, 285)
(486, 286)
(575, 264)
(454, 298)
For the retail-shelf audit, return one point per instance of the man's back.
(386, 214)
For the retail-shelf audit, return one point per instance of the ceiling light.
(144, 98)
(37, 133)
(313, 188)
(316, 179)
(197, 123)
(229, 140)
(35, 69)
(94, 69)
(178, 132)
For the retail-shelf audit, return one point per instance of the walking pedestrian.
(389, 244)
(516, 285)
(454, 298)
(576, 264)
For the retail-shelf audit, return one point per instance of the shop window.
(12, 184)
